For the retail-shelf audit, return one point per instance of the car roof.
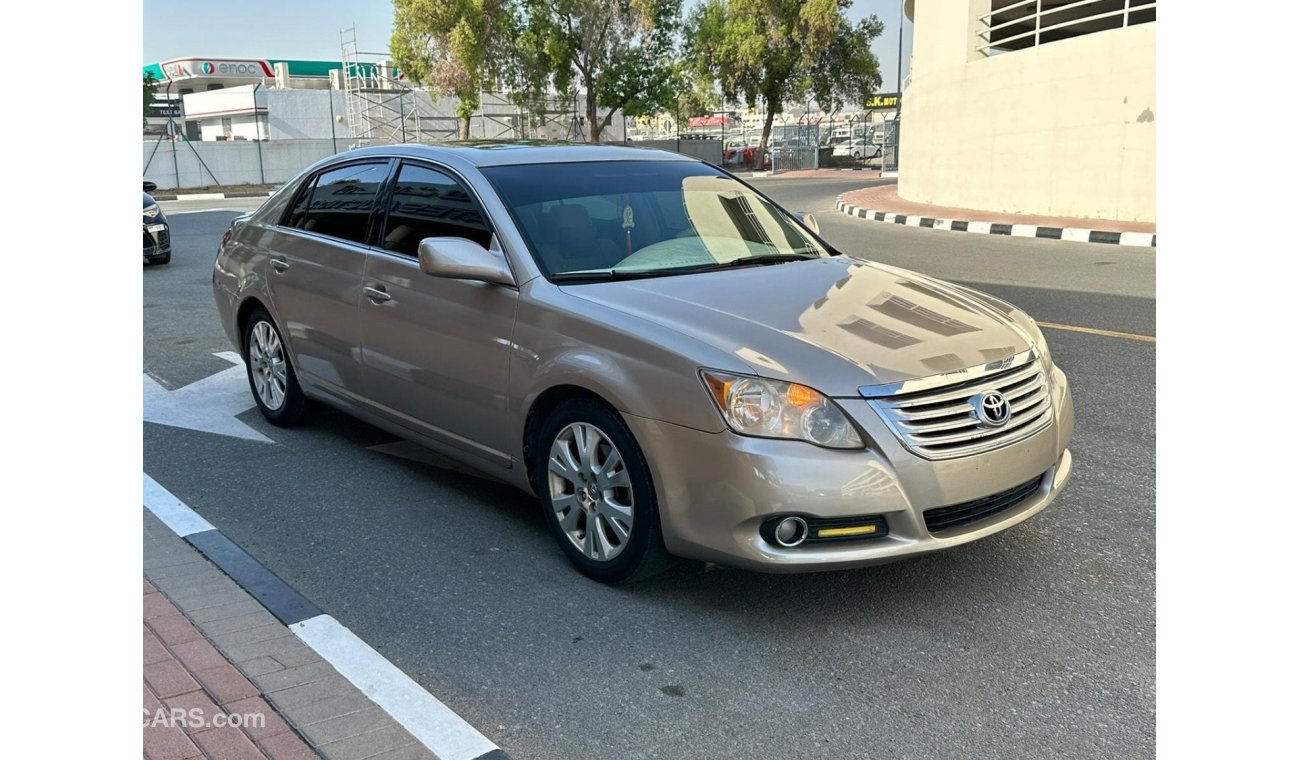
(491, 153)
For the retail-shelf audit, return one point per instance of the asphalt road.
(1039, 641)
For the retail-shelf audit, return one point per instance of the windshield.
(644, 218)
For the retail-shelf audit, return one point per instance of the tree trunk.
(594, 127)
(462, 127)
(762, 143)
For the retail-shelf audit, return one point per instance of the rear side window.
(428, 203)
(339, 202)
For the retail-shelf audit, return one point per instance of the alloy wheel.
(267, 365)
(591, 491)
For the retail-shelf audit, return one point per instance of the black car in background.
(157, 235)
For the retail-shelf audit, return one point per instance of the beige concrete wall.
(1063, 129)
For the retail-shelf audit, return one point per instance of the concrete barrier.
(200, 164)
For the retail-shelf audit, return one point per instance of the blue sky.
(309, 29)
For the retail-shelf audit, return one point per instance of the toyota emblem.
(992, 409)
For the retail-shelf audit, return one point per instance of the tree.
(453, 46)
(618, 51)
(150, 87)
(775, 51)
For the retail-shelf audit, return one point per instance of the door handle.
(279, 264)
(376, 293)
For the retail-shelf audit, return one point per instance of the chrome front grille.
(938, 418)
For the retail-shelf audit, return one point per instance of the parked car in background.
(157, 234)
(670, 361)
(857, 148)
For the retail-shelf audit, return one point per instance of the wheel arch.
(541, 407)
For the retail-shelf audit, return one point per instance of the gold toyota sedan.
(671, 362)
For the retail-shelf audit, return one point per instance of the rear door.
(436, 350)
(317, 259)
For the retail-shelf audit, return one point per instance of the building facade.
(1033, 107)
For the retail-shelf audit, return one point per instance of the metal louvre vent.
(945, 422)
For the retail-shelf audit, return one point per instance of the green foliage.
(619, 51)
(150, 87)
(458, 47)
(774, 51)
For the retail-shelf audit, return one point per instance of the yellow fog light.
(851, 530)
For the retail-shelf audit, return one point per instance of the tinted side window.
(339, 202)
(427, 203)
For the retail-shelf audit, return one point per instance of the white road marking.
(174, 513)
(1074, 234)
(1024, 230)
(201, 197)
(203, 211)
(209, 405)
(432, 723)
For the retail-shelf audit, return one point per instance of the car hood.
(148, 200)
(834, 323)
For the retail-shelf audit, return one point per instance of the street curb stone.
(1041, 232)
(181, 573)
(421, 725)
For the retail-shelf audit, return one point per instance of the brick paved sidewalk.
(211, 647)
(196, 704)
(885, 198)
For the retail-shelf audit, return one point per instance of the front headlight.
(774, 409)
(151, 211)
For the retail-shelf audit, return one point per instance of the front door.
(436, 350)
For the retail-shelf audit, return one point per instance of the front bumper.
(157, 240)
(716, 489)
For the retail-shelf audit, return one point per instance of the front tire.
(597, 493)
(270, 374)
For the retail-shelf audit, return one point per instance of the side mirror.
(809, 221)
(462, 259)
(149, 187)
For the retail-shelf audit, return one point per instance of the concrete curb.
(438, 729)
(1072, 234)
(207, 196)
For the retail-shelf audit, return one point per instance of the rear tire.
(597, 494)
(270, 373)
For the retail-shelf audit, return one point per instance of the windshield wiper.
(760, 260)
(603, 275)
(611, 275)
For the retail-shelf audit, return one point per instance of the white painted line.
(204, 211)
(174, 513)
(983, 227)
(1024, 230)
(943, 224)
(208, 405)
(1074, 234)
(914, 221)
(201, 197)
(432, 723)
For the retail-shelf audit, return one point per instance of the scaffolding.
(381, 108)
